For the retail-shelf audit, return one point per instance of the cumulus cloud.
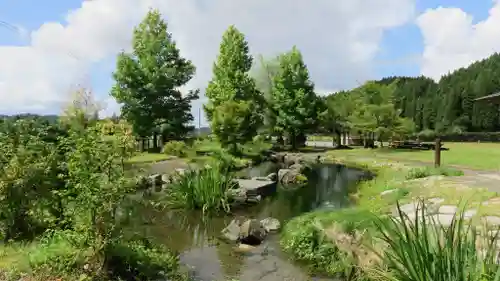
(452, 39)
(339, 40)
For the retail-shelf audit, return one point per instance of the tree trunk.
(155, 141)
(339, 139)
(293, 140)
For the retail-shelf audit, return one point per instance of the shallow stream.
(209, 259)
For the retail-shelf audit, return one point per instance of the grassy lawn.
(148, 157)
(483, 156)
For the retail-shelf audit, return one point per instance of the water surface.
(210, 259)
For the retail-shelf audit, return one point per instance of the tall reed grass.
(421, 249)
(205, 189)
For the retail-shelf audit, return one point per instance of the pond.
(209, 258)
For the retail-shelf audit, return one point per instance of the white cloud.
(338, 39)
(452, 40)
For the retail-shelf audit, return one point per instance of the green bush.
(417, 173)
(305, 239)
(141, 260)
(204, 189)
(423, 249)
(176, 148)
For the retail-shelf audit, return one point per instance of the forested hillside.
(449, 104)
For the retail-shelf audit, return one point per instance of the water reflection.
(197, 240)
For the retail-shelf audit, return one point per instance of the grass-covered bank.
(340, 242)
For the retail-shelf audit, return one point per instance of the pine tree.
(233, 91)
(148, 81)
(294, 100)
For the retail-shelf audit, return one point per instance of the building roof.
(491, 98)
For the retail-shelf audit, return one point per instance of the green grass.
(204, 189)
(483, 156)
(148, 157)
(423, 172)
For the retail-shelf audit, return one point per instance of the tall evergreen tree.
(294, 100)
(148, 81)
(232, 91)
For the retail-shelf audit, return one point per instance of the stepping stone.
(436, 200)
(469, 213)
(442, 219)
(388, 192)
(448, 209)
(492, 220)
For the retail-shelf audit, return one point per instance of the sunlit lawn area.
(485, 156)
(148, 157)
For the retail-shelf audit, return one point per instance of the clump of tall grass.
(422, 249)
(417, 173)
(205, 189)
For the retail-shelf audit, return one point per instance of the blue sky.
(402, 40)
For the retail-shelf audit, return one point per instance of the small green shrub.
(141, 260)
(417, 173)
(176, 148)
(423, 249)
(204, 189)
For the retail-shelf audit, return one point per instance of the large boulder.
(291, 159)
(231, 232)
(272, 177)
(289, 176)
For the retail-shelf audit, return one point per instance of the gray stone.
(271, 224)
(165, 178)
(239, 195)
(155, 179)
(260, 179)
(492, 220)
(231, 232)
(288, 176)
(254, 187)
(469, 213)
(448, 209)
(442, 219)
(272, 177)
(252, 232)
(180, 171)
(435, 200)
(254, 199)
(388, 191)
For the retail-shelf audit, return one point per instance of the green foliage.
(307, 241)
(417, 173)
(204, 189)
(176, 148)
(148, 81)
(423, 249)
(233, 99)
(293, 98)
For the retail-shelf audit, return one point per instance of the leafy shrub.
(417, 173)
(176, 148)
(141, 260)
(204, 189)
(423, 249)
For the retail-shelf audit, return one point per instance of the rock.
(270, 224)
(272, 177)
(155, 179)
(165, 178)
(492, 220)
(260, 179)
(239, 195)
(388, 191)
(287, 176)
(436, 200)
(442, 219)
(254, 199)
(291, 159)
(252, 232)
(448, 209)
(245, 248)
(231, 232)
(144, 182)
(180, 171)
(470, 213)
(301, 168)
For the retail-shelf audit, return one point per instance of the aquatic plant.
(422, 249)
(204, 189)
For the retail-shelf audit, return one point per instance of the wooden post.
(437, 155)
